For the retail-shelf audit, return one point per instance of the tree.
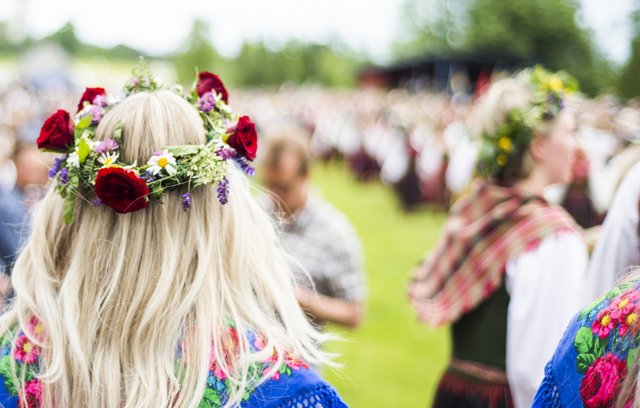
(537, 31)
(628, 84)
(198, 52)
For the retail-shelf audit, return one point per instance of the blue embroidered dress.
(592, 359)
(293, 385)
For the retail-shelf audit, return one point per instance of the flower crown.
(515, 135)
(127, 187)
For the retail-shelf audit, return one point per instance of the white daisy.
(74, 159)
(108, 159)
(165, 161)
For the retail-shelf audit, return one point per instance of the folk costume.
(505, 258)
(506, 274)
(597, 352)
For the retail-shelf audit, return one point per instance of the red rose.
(600, 383)
(121, 189)
(244, 138)
(89, 95)
(57, 132)
(207, 82)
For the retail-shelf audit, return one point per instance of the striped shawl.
(485, 229)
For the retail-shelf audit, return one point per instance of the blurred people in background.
(31, 169)
(509, 269)
(324, 248)
(577, 200)
(618, 245)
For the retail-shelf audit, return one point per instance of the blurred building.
(439, 73)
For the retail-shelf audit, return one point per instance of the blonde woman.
(152, 278)
(508, 269)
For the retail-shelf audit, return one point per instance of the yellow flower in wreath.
(505, 144)
(501, 159)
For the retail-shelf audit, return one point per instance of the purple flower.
(96, 114)
(101, 101)
(56, 167)
(64, 176)
(207, 102)
(227, 153)
(245, 166)
(148, 176)
(133, 81)
(223, 191)
(186, 201)
(97, 202)
(107, 145)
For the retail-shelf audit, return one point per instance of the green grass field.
(391, 360)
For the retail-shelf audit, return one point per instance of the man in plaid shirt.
(324, 248)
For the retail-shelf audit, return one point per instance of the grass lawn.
(391, 360)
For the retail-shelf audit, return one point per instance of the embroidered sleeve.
(606, 344)
(548, 395)
(323, 396)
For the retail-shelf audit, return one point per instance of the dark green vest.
(480, 335)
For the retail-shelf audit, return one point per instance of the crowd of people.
(205, 294)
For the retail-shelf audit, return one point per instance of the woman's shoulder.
(290, 382)
(596, 351)
(297, 387)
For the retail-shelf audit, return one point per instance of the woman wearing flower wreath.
(152, 278)
(509, 267)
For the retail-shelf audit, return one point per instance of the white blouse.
(546, 289)
(618, 245)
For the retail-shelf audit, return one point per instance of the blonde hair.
(122, 296)
(491, 112)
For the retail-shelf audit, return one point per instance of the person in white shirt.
(618, 246)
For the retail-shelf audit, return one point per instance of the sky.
(365, 25)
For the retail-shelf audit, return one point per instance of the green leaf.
(179, 151)
(68, 209)
(583, 342)
(599, 346)
(71, 199)
(117, 133)
(210, 399)
(584, 361)
(6, 372)
(85, 122)
(83, 150)
(77, 133)
(631, 357)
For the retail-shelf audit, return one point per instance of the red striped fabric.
(484, 230)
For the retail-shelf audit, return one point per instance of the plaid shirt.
(322, 242)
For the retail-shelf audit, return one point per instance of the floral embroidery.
(218, 384)
(22, 353)
(17, 350)
(607, 343)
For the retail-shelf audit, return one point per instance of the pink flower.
(33, 391)
(629, 323)
(600, 383)
(603, 325)
(275, 376)
(260, 342)
(294, 363)
(623, 304)
(25, 350)
(35, 328)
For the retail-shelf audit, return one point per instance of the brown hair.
(287, 138)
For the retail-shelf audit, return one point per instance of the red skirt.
(466, 385)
